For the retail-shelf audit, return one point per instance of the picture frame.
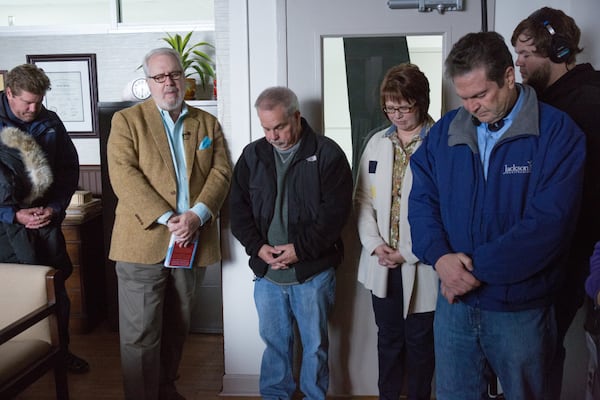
(3, 74)
(74, 90)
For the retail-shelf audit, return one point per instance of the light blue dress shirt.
(486, 139)
(174, 130)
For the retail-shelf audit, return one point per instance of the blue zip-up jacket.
(517, 224)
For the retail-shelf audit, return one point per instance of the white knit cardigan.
(372, 202)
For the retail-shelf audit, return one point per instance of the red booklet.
(179, 256)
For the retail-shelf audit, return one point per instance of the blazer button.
(173, 193)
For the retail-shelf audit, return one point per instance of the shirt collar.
(392, 130)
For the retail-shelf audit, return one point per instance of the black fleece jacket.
(319, 185)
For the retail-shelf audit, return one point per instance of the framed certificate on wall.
(74, 90)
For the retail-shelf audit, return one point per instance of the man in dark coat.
(32, 217)
(291, 195)
(547, 43)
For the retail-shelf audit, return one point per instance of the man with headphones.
(546, 43)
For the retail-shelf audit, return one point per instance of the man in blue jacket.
(495, 199)
(290, 197)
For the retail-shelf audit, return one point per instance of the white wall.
(253, 64)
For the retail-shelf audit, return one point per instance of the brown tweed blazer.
(143, 178)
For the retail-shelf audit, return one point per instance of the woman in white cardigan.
(404, 291)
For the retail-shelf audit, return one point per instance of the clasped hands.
(184, 227)
(34, 218)
(454, 270)
(278, 257)
(387, 256)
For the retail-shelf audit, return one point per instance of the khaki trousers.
(154, 320)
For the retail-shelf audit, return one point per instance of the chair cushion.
(15, 355)
(22, 290)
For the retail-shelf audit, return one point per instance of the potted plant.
(195, 61)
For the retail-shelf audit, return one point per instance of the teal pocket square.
(205, 144)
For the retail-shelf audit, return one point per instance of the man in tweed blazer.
(170, 170)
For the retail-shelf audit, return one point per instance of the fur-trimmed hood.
(34, 161)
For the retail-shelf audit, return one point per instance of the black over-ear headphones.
(559, 46)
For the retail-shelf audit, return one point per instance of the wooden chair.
(30, 344)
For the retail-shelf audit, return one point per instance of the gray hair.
(278, 96)
(161, 51)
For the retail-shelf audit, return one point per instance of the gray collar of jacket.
(526, 122)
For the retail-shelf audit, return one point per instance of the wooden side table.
(86, 285)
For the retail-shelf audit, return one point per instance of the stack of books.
(82, 205)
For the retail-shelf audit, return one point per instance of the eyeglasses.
(402, 109)
(160, 78)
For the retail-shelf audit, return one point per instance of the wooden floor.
(201, 369)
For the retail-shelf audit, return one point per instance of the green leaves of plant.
(192, 58)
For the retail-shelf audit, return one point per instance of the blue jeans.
(278, 306)
(403, 346)
(470, 342)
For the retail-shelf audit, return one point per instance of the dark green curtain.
(367, 61)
